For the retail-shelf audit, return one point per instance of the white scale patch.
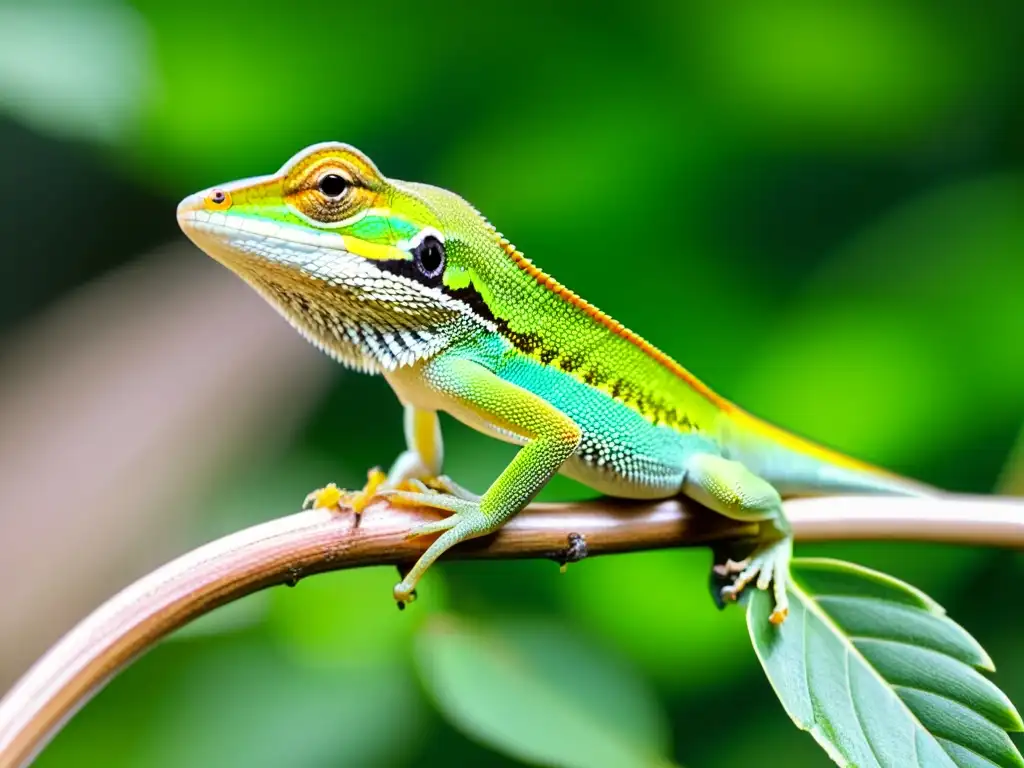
(367, 319)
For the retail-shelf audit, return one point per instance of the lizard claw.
(377, 487)
(332, 497)
(466, 521)
(769, 565)
(323, 498)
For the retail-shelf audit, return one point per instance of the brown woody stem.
(287, 549)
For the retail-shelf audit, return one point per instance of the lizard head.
(356, 261)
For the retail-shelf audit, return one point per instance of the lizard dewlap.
(411, 282)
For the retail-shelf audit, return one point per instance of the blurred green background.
(837, 190)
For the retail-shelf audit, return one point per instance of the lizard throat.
(356, 332)
(369, 319)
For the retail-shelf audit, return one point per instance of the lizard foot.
(769, 565)
(333, 497)
(441, 485)
(377, 486)
(466, 521)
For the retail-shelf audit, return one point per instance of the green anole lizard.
(410, 281)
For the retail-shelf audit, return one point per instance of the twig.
(288, 549)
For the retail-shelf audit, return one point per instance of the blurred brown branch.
(285, 550)
(101, 398)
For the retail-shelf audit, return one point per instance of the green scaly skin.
(411, 282)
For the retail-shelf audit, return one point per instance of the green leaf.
(533, 691)
(878, 674)
(240, 703)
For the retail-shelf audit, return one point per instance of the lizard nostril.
(217, 200)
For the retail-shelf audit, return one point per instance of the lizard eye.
(332, 185)
(217, 200)
(429, 256)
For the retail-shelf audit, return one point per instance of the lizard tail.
(800, 467)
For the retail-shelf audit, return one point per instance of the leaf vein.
(810, 604)
(856, 710)
(899, 686)
(811, 699)
(980, 756)
(880, 600)
(905, 644)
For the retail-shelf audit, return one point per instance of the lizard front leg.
(552, 438)
(729, 488)
(424, 448)
(419, 466)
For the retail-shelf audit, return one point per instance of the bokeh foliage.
(819, 208)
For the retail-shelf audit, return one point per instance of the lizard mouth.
(239, 241)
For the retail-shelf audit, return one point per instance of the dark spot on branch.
(575, 550)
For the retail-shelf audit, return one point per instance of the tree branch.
(285, 550)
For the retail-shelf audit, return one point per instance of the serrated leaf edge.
(983, 661)
(932, 605)
(810, 603)
(986, 662)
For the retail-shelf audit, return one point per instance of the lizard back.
(552, 325)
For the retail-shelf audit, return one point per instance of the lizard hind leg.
(729, 488)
